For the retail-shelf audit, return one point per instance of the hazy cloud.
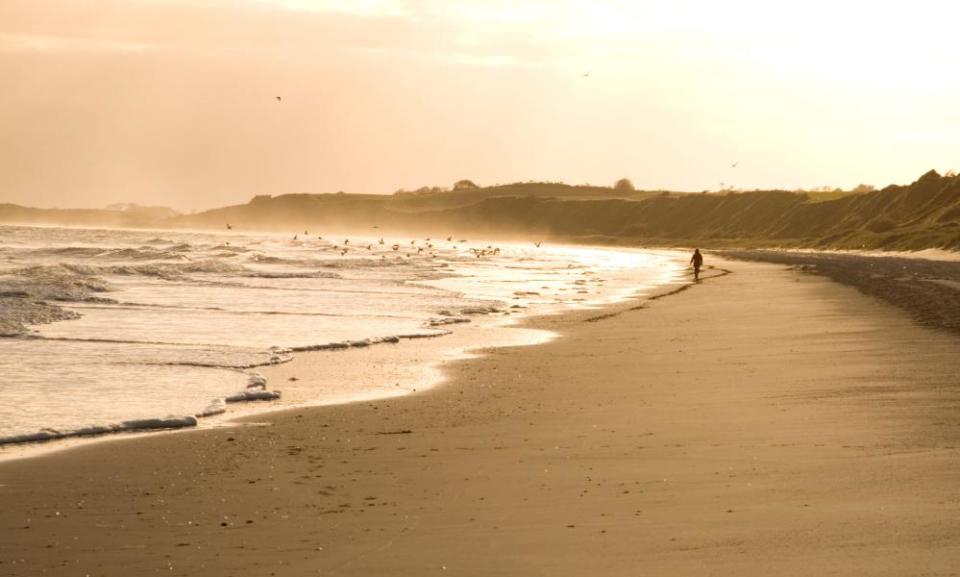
(376, 8)
(41, 43)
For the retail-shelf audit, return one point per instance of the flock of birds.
(427, 246)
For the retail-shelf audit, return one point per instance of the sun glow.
(667, 93)
(376, 8)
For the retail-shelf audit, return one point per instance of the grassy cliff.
(923, 214)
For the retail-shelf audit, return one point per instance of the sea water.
(111, 330)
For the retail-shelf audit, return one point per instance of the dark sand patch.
(929, 290)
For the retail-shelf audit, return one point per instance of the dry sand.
(764, 422)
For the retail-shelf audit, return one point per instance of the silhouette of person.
(697, 261)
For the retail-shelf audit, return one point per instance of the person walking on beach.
(697, 261)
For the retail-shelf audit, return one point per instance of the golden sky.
(174, 101)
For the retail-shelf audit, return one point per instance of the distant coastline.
(922, 215)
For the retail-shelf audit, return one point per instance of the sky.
(174, 102)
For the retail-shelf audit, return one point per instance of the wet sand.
(765, 422)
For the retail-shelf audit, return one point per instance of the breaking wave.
(255, 390)
(147, 325)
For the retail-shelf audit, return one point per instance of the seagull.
(734, 164)
(537, 244)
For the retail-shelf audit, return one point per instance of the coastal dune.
(761, 422)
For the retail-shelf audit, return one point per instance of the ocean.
(127, 330)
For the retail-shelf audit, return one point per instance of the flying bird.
(279, 99)
(734, 164)
(537, 244)
(229, 227)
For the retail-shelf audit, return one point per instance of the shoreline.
(605, 451)
(505, 326)
(278, 375)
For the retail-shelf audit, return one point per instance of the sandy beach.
(762, 422)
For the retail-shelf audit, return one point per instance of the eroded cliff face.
(923, 214)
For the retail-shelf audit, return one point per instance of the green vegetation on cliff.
(923, 214)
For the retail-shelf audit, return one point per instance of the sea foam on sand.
(149, 325)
